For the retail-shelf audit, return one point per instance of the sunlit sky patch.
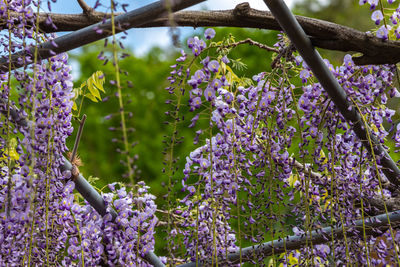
(141, 40)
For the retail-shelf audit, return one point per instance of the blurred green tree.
(343, 12)
(145, 107)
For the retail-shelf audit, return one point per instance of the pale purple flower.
(196, 102)
(304, 75)
(209, 33)
(216, 84)
(382, 33)
(209, 93)
(373, 3)
(213, 66)
(377, 16)
(225, 59)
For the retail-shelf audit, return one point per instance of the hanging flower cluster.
(123, 240)
(205, 214)
(32, 183)
(41, 221)
(350, 174)
(44, 220)
(278, 151)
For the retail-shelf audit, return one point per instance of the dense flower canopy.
(268, 136)
(275, 158)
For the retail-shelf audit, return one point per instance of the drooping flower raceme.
(41, 219)
(281, 152)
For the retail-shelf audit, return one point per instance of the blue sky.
(141, 40)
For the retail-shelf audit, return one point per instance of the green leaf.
(231, 76)
(82, 86)
(94, 85)
(97, 81)
(239, 65)
(91, 97)
(92, 89)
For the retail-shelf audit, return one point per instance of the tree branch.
(78, 137)
(251, 42)
(296, 242)
(339, 97)
(86, 9)
(82, 186)
(97, 31)
(392, 203)
(323, 34)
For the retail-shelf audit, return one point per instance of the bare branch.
(251, 42)
(86, 9)
(97, 31)
(66, 22)
(392, 203)
(78, 137)
(296, 242)
(323, 34)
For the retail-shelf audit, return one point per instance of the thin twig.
(298, 241)
(172, 214)
(96, 32)
(252, 42)
(78, 137)
(323, 34)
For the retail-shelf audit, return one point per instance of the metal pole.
(96, 201)
(85, 189)
(296, 242)
(88, 192)
(99, 31)
(303, 44)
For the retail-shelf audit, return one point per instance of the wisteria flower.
(377, 16)
(304, 75)
(209, 93)
(373, 3)
(382, 33)
(225, 59)
(209, 33)
(213, 66)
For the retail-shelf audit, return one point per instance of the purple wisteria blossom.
(373, 4)
(209, 93)
(209, 33)
(213, 66)
(36, 175)
(377, 16)
(196, 44)
(45, 225)
(382, 33)
(277, 146)
(304, 75)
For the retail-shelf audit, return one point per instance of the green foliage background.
(145, 103)
(145, 100)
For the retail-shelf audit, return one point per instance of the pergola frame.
(304, 33)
